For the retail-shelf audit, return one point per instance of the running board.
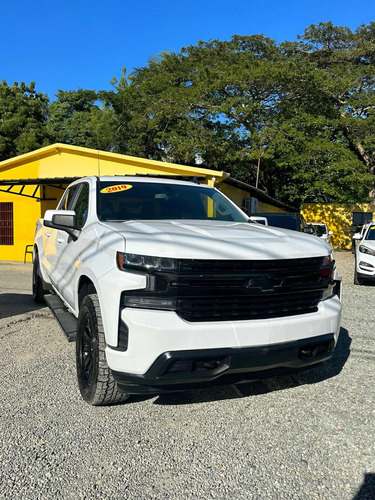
(65, 319)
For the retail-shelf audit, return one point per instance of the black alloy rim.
(87, 349)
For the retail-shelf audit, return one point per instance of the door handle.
(48, 235)
(60, 240)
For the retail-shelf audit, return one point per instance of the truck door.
(53, 237)
(68, 249)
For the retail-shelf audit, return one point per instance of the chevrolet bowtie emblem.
(266, 283)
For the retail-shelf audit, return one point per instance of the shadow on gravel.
(313, 376)
(12, 304)
(367, 491)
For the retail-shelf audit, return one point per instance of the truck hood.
(188, 239)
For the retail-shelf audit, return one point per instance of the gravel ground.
(304, 436)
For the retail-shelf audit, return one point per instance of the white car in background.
(321, 230)
(364, 270)
(358, 235)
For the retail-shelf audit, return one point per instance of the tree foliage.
(298, 118)
(23, 115)
(299, 112)
(75, 117)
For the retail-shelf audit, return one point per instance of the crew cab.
(169, 285)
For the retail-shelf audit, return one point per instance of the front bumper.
(365, 265)
(153, 333)
(182, 370)
(366, 277)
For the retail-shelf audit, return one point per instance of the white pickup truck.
(166, 285)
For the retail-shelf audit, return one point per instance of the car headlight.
(131, 261)
(367, 250)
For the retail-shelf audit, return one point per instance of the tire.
(38, 290)
(95, 379)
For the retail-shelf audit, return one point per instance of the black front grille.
(214, 290)
(244, 266)
(216, 308)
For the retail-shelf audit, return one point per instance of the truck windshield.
(155, 201)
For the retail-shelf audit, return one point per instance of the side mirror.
(309, 230)
(330, 233)
(65, 220)
(357, 237)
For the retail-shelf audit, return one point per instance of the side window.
(68, 198)
(81, 205)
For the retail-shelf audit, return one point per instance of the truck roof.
(146, 178)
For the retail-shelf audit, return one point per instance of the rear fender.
(45, 278)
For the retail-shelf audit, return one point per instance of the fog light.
(365, 264)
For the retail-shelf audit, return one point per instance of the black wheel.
(38, 290)
(95, 379)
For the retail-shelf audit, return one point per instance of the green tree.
(77, 118)
(299, 114)
(23, 115)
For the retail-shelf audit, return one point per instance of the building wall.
(338, 217)
(26, 212)
(235, 194)
(265, 207)
(238, 195)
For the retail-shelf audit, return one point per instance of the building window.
(6, 223)
(361, 218)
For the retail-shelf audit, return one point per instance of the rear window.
(158, 201)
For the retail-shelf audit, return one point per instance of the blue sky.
(70, 44)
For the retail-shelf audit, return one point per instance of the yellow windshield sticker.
(116, 189)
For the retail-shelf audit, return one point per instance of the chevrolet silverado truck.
(166, 285)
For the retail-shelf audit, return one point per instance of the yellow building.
(340, 219)
(32, 183)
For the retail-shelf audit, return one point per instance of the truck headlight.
(367, 250)
(145, 262)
